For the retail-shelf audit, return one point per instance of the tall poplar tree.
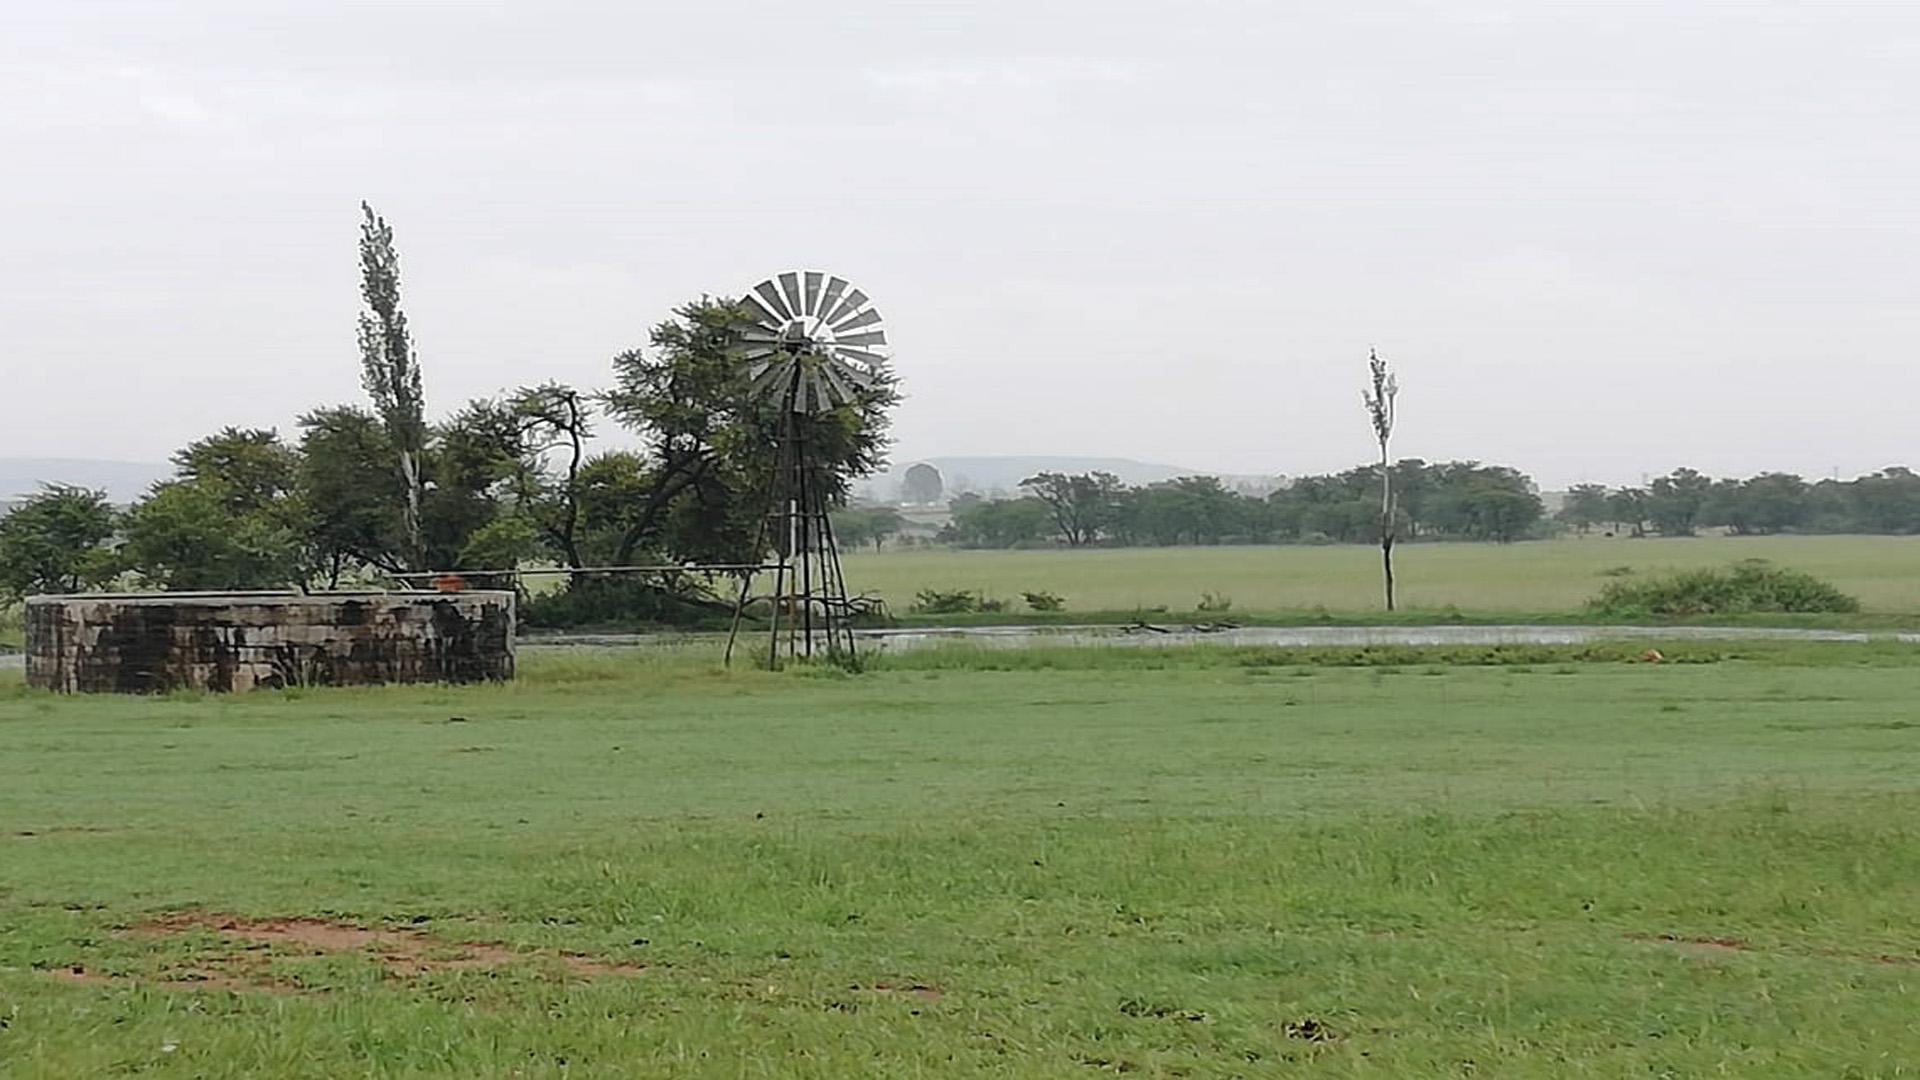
(390, 371)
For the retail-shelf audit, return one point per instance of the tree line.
(1685, 501)
(1460, 500)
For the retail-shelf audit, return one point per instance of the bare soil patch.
(404, 953)
(1702, 946)
(915, 990)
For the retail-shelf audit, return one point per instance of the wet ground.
(1022, 637)
(1019, 637)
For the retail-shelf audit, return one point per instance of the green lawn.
(1060, 863)
(1538, 577)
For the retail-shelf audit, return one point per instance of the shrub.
(946, 602)
(1215, 602)
(992, 605)
(1045, 601)
(596, 601)
(1745, 587)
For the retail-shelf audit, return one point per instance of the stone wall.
(157, 642)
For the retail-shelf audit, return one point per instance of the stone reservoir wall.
(153, 643)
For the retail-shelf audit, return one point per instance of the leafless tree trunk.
(1379, 397)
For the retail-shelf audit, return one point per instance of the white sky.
(1598, 239)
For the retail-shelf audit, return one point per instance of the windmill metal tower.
(812, 344)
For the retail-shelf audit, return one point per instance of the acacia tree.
(710, 445)
(1586, 506)
(1379, 397)
(555, 418)
(1082, 506)
(390, 371)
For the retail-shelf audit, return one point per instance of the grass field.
(1061, 863)
(1539, 577)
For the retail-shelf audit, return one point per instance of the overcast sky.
(1598, 240)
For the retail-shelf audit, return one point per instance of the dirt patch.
(404, 953)
(183, 979)
(1701, 946)
(1732, 946)
(913, 990)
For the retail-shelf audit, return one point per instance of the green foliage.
(861, 525)
(1681, 502)
(946, 602)
(1746, 587)
(390, 373)
(355, 500)
(999, 523)
(188, 535)
(1458, 500)
(1674, 502)
(625, 602)
(56, 542)
(712, 444)
(1585, 507)
(1044, 601)
(1082, 507)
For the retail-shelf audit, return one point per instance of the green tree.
(250, 468)
(1674, 501)
(1627, 509)
(1884, 502)
(185, 535)
(391, 374)
(475, 460)
(1586, 506)
(355, 501)
(1000, 523)
(711, 447)
(56, 542)
(858, 526)
(1774, 502)
(1082, 506)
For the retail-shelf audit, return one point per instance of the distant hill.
(123, 481)
(991, 475)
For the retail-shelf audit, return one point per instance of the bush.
(595, 601)
(939, 602)
(1745, 587)
(1215, 602)
(1045, 601)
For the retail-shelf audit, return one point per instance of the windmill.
(811, 344)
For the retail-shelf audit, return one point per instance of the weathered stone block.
(156, 642)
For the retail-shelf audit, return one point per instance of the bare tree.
(554, 416)
(1379, 396)
(389, 370)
